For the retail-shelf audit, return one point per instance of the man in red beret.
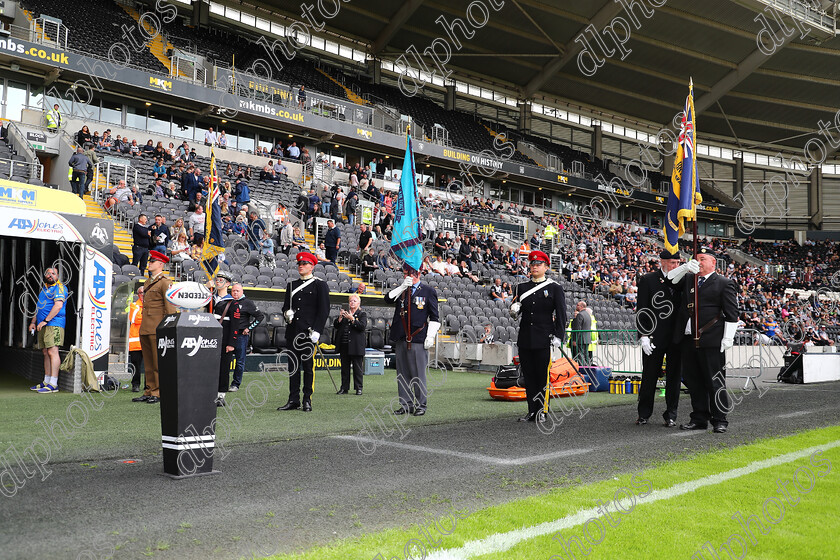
(155, 307)
(305, 308)
(541, 303)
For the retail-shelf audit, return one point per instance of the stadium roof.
(743, 95)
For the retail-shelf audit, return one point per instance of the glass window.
(159, 122)
(135, 118)
(182, 128)
(111, 112)
(528, 197)
(15, 101)
(198, 132)
(232, 137)
(36, 97)
(263, 24)
(515, 195)
(266, 144)
(248, 19)
(246, 141)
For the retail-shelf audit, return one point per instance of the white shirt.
(197, 223)
(210, 137)
(688, 323)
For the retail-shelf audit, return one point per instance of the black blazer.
(543, 315)
(311, 305)
(718, 295)
(424, 308)
(657, 306)
(357, 333)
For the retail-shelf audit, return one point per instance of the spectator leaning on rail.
(49, 322)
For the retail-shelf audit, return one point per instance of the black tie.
(700, 282)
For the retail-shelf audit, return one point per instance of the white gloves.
(728, 339)
(314, 337)
(647, 347)
(406, 284)
(677, 274)
(289, 315)
(431, 333)
(514, 309)
(556, 342)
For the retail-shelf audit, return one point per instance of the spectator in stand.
(199, 202)
(80, 163)
(242, 192)
(365, 240)
(332, 241)
(286, 236)
(91, 170)
(293, 151)
(159, 153)
(210, 137)
(161, 235)
(120, 193)
(179, 248)
(369, 265)
(197, 225)
(83, 136)
(321, 253)
(142, 238)
(158, 169)
(337, 205)
(256, 228)
(496, 290)
(280, 169)
(301, 97)
(149, 149)
(350, 206)
(464, 270)
(267, 174)
(298, 240)
(106, 143)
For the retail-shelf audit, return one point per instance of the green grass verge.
(670, 528)
(117, 427)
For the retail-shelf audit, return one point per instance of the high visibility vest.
(135, 317)
(594, 334)
(53, 118)
(549, 231)
(524, 251)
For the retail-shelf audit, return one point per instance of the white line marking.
(501, 542)
(793, 414)
(689, 432)
(471, 456)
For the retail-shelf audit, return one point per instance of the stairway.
(122, 237)
(158, 45)
(310, 241)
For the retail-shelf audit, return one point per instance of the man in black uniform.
(542, 304)
(656, 314)
(413, 330)
(221, 308)
(306, 308)
(245, 316)
(703, 365)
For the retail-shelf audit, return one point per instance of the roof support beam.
(735, 77)
(396, 22)
(604, 16)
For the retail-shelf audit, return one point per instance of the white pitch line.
(471, 456)
(689, 433)
(501, 542)
(794, 414)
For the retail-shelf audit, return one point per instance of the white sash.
(302, 286)
(536, 288)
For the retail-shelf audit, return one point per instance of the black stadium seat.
(261, 341)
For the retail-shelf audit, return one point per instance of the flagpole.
(696, 314)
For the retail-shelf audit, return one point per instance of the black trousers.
(705, 376)
(140, 258)
(304, 362)
(651, 368)
(358, 365)
(534, 365)
(135, 358)
(224, 371)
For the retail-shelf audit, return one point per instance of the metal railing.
(10, 168)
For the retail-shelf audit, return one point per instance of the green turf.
(671, 528)
(121, 428)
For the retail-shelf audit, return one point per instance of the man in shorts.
(49, 321)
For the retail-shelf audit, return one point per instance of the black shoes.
(530, 417)
(641, 421)
(419, 412)
(144, 398)
(719, 429)
(358, 391)
(289, 406)
(402, 410)
(342, 392)
(135, 388)
(220, 402)
(307, 406)
(153, 400)
(693, 426)
(669, 423)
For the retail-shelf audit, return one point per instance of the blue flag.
(214, 242)
(684, 193)
(407, 240)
